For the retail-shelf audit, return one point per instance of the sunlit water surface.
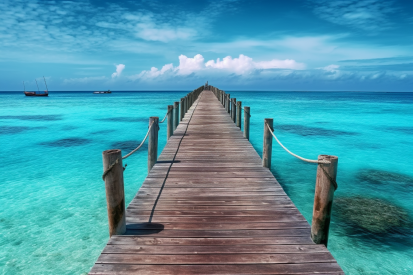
(53, 217)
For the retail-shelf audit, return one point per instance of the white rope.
(165, 117)
(140, 145)
(291, 153)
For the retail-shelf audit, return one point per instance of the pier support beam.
(323, 199)
(170, 122)
(153, 142)
(234, 109)
(267, 150)
(239, 110)
(247, 122)
(115, 194)
(182, 109)
(176, 115)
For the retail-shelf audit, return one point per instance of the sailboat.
(46, 93)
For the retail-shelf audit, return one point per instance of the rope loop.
(110, 168)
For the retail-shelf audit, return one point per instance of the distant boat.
(46, 93)
(103, 92)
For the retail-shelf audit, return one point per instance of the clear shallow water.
(54, 221)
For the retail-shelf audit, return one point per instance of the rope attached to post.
(140, 145)
(304, 159)
(291, 153)
(126, 156)
(246, 112)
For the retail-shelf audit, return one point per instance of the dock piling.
(170, 122)
(115, 194)
(153, 142)
(247, 122)
(323, 198)
(234, 109)
(176, 114)
(239, 109)
(267, 150)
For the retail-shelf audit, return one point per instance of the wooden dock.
(209, 207)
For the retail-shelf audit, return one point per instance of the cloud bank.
(242, 65)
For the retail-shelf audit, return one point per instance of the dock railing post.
(267, 148)
(170, 122)
(234, 109)
(229, 104)
(323, 198)
(247, 122)
(153, 142)
(239, 109)
(182, 109)
(176, 114)
(186, 104)
(115, 194)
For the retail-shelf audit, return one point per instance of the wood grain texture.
(208, 206)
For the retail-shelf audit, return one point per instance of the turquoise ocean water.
(53, 216)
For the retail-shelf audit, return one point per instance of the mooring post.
(182, 109)
(234, 110)
(323, 199)
(170, 122)
(153, 142)
(229, 104)
(186, 104)
(267, 150)
(115, 194)
(247, 122)
(239, 109)
(224, 103)
(176, 114)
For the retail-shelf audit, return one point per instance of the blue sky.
(345, 45)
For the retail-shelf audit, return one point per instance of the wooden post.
(229, 104)
(115, 194)
(239, 109)
(170, 122)
(323, 198)
(186, 104)
(153, 142)
(182, 109)
(247, 122)
(225, 101)
(176, 114)
(267, 150)
(234, 109)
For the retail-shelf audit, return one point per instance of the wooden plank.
(308, 268)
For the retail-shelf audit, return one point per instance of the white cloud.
(189, 65)
(244, 64)
(119, 69)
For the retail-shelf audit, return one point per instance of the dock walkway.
(209, 207)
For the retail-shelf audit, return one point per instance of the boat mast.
(37, 85)
(45, 84)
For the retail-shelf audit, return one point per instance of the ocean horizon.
(54, 217)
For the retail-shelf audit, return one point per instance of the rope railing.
(167, 113)
(291, 153)
(140, 145)
(304, 159)
(127, 155)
